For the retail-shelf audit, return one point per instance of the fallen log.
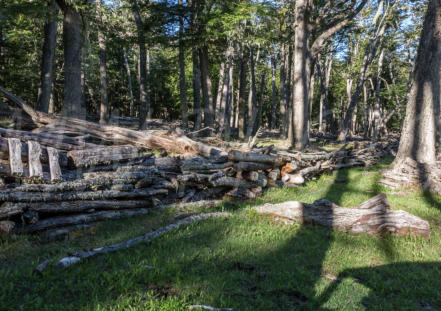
(238, 156)
(373, 216)
(81, 255)
(30, 197)
(70, 220)
(175, 141)
(103, 155)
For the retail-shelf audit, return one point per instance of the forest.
(220, 155)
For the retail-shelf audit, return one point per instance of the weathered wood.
(29, 197)
(54, 165)
(238, 156)
(232, 182)
(15, 163)
(78, 256)
(103, 155)
(6, 227)
(70, 220)
(61, 142)
(35, 168)
(373, 216)
(252, 166)
(241, 193)
(9, 209)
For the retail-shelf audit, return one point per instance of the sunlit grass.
(247, 261)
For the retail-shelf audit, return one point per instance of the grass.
(248, 262)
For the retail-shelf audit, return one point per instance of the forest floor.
(245, 262)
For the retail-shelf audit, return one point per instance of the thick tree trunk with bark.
(129, 80)
(47, 72)
(243, 60)
(72, 61)
(377, 114)
(252, 109)
(283, 91)
(104, 107)
(419, 131)
(274, 92)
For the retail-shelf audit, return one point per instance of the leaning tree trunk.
(47, 65)
(301, 74)
(72, 61)
(419, 130)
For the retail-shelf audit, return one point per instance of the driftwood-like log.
(252, 166)
(231, 182)
(9, 209)
(15, 163)
(78, 256)
(29, 197)
(241, 193)
(54, 166)
(174, 141)
(103, 155)
(70, 220)
(373, 216)
(34, 154)
(238, 156)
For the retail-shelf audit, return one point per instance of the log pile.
(68, 172)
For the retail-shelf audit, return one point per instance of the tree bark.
(419, 130)
(72, 61)
(274, 92)
(283, 91)
(47, 65)
(206, 87)
(252, 96)
(196, 91)
(104, 107)
(182, 84)
(377, 115)
(243, 60)
(129, 80)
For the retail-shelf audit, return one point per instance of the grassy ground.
(247, 262)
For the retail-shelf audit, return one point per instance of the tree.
(315, 24)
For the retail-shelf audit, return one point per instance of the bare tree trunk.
(221, 116)
(206, 87)
(300, 137)
(289, 96)
(196, 91)
(252, 96)
(419, 130)
(242, 92)
(220, 88)
(143, 101)
(377, 116)
(72, 60)
(47, 65)
(325, 75)
(104, 107)
(274, 92)
(129, 80)
(182, 84)
(229, 105)
(366, 111)
(283, 92)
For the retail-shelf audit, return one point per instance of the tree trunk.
(220, 89)
(251, 96)
(377, 116)
(273, 93)
(182, 84)
(104, 107)
(47, 65)
(143, 93)
(283, 91)
(129, 80)
(206, 87)
(302, 69)
(230, 100)
(325, 75)
(242, 92)
(196, 91)
(419, 130)
(72, 60)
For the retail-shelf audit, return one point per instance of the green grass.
(248, 262)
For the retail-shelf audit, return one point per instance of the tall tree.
(315, 24)
(47, 63)
(104, 106)
(182, 84)
(72, 60)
